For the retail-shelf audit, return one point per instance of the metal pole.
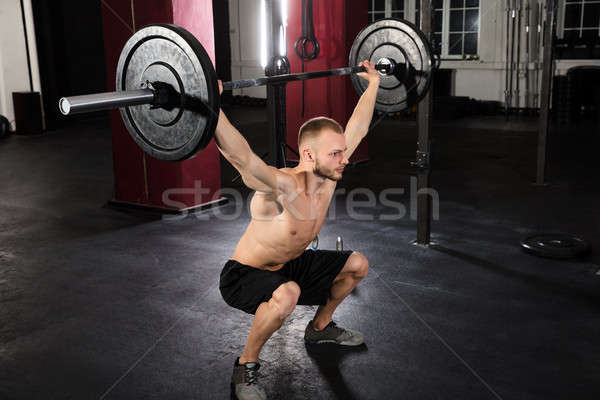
(512, 55)
(547, 71)
(423, 146)
(538, 54)
(517, 94)
(527, 39)
(278, 65)
(506, 92)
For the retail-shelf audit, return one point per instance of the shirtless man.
(270, 270)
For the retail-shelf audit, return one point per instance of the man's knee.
(285, 298)
(358, 265)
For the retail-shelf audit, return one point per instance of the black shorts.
(244, 287)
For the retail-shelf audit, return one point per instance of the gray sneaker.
(333, 334)
(245, 383)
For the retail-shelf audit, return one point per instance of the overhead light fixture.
(263, 33)
(282, 45)
(282, 29)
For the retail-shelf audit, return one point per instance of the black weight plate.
(558, 246)
(169, 54)
(403, 42)
(4, 126)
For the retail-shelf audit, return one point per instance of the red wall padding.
(139, 178)
(336, 24)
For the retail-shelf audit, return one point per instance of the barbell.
(168, 95)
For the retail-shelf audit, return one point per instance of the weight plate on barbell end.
(169, 54)
(403, 42)
(552, 245)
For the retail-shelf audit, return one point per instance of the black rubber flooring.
(104, 304)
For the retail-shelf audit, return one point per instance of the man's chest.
(296, 208)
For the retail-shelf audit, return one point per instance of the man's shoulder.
(289, 171)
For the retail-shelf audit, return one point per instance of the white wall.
(483, 79)
(14, 75)
(244, 17)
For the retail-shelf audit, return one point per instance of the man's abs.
(269, 245)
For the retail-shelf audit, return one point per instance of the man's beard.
(320, 172)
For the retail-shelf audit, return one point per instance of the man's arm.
(255, 173)
(359, 122)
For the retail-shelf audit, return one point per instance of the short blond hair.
(314, 126)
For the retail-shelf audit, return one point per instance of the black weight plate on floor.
(4, 126)
(403, 42)
(559, 246)
(169, 54)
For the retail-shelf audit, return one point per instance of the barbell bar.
(127, 98)
(117, 99)
(168, 96)
(105, 101)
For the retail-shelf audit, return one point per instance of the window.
(464, 27)
(455, 27)
(397, 9)
(379, 9)
(581, 19)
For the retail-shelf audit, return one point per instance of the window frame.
(561, 15)
(446, 27)
(410, 9)
(388, 9)
(446, 30)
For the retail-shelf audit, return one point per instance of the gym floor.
(101, 303)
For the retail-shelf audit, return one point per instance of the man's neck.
(312, 183)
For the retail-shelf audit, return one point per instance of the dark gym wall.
(222, 41)
(222, 44)
(70, 51)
